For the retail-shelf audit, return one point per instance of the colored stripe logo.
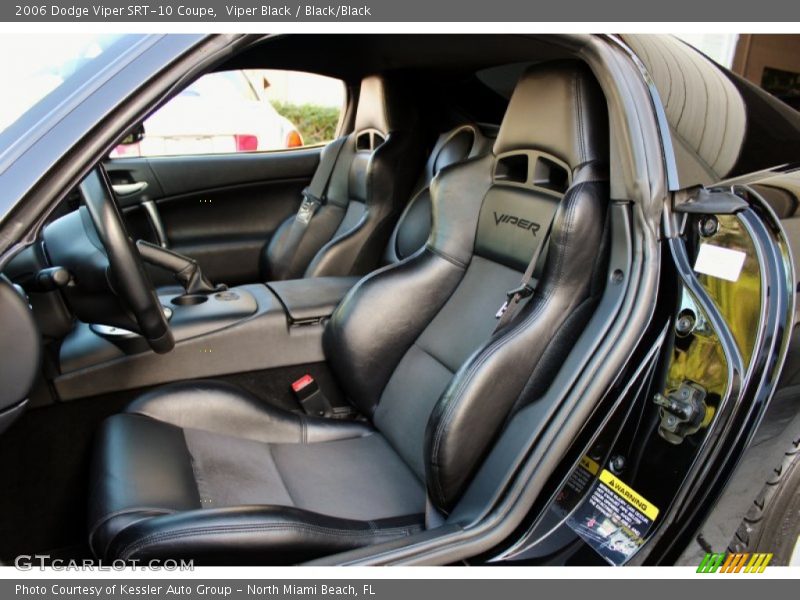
(734, 562)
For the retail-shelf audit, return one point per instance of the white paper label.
(719, 262)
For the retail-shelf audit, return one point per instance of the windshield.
(40, 65)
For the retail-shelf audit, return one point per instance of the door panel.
(182, 174)
(219, 209)
(129, 172)
(225, 229)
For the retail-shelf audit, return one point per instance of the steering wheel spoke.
(132, 283)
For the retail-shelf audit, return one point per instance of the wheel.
(773, 522)
(131, 282)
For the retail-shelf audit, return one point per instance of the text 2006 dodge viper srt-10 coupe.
(534, 303)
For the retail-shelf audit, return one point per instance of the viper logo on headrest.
(517, 222)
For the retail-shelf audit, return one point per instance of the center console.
(246, 328)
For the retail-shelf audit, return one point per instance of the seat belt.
(513, 297)
(314, 193)
(313, 196)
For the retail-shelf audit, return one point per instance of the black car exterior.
(751, 155)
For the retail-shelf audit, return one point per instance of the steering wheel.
(130, 280)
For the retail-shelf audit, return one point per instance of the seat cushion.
(205, 450)
(354, 478)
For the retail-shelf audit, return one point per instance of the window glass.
(243, 111)
(37, 69)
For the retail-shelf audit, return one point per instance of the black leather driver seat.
(373, 174)
(203, 470)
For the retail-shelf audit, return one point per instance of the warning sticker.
(612, 518)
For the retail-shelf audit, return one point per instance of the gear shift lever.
(185, 269)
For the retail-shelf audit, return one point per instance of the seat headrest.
(560, 109)
(382, 106)
(461, 143)
(454, 146)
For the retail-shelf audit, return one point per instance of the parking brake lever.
(185, 269)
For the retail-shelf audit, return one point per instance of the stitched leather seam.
(446, 256)
(303, 430)
(119, 513)
(393, 239)
(196, 473)
(434, 357)
(568, 222)
(129, 550)
(371, 276)
(372, 235)
(280, 474)
(444, 422)
(339, 239)
(579, 115)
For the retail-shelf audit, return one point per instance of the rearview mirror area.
(134, 136)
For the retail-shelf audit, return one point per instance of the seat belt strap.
(313, 196)
(314, 193)
(513, 297)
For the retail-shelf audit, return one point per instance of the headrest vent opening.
(533, 170)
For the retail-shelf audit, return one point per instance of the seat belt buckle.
(523, 291)
(308, 207)
(520, 293)
(310, 397)
(501, 311)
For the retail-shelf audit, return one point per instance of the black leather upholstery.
(171, 470)
(414, 225)
(312, 298)
(315, 297)
(224, 478)
(562, 122)
(372, 177)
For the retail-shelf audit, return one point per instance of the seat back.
(414, 225)
(373, 174)
(414, 345)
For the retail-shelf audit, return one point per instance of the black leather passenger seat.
(374, 172)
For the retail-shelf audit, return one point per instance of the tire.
(773, 522)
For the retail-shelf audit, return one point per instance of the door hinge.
(702, 201)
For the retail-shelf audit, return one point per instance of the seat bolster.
(372, 328)
(282, 260)
(318, 429)
(127, 486)
(253, 535)
(222, 408)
